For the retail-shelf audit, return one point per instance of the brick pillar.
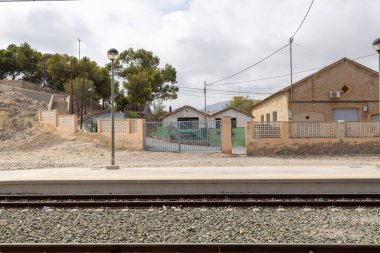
(285, 130)
(225, 135)
(99, 126)
(248, 135)
(140, 125)
(341, 131)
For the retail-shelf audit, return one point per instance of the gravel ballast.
(191, 225)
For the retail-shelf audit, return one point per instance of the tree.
(242, 103)
(9, 65)
(158, 109)
(78, 88)
(145, 80)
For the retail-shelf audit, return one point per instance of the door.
(346, 114)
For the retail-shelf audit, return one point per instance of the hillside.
(19, 127)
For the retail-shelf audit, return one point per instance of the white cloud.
(203, 40)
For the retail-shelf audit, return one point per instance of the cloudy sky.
(205, 40)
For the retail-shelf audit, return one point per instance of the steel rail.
(188, 196)
(223, 200)
(190, 248)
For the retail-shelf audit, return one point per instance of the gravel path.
(197, 225)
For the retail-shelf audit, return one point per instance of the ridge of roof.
(231, 107)
(181, 108)
(299, 82)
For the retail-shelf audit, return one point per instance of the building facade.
(189, 113)
(344, 90)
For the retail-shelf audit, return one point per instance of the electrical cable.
(284, 75)
(249, 67)
(299, 27)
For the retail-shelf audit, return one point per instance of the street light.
(113, 55)
(376, 46)
(91, 93)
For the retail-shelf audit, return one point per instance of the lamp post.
(91, 93)
(113, 55)
(376, 46)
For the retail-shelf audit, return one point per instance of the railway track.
(184, 248)
(190, 200)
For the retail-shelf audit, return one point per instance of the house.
(343, 90)
(190, 114)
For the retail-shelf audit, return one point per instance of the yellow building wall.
(278, 103)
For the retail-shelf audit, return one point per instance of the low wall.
(50, 120)
(129, 133)
(276, 140)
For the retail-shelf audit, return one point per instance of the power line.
(313, 51)
(299, 27)
(284, 75)
(223, 91)
(249, 67)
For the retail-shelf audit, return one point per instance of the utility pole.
(204, 91)
(81, 109)
(79, 48)
(31, 70)
(291, 69)
(71, 88)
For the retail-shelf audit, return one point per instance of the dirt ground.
(52, 152)
(24, 146)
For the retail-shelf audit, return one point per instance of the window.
(268, 117)
(217, 123)
(188, 123)
(262, 118)
(274, 116)
(233, 122)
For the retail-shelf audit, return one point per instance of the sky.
(205, 40)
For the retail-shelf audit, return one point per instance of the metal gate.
(201, 136)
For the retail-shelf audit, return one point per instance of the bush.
(132, 115)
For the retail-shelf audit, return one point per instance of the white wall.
(185, 113)
(241, 118)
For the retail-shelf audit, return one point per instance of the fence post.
(179, 136)
(140, 131)
(226, 133)
(248, 135)
(285, 130)
(341, 133)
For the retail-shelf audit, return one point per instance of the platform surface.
(184, 180)
(195, 173)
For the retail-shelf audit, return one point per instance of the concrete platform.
(176, 180)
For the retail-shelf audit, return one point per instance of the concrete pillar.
(226, 135)
(248, 135)
(285, 125)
